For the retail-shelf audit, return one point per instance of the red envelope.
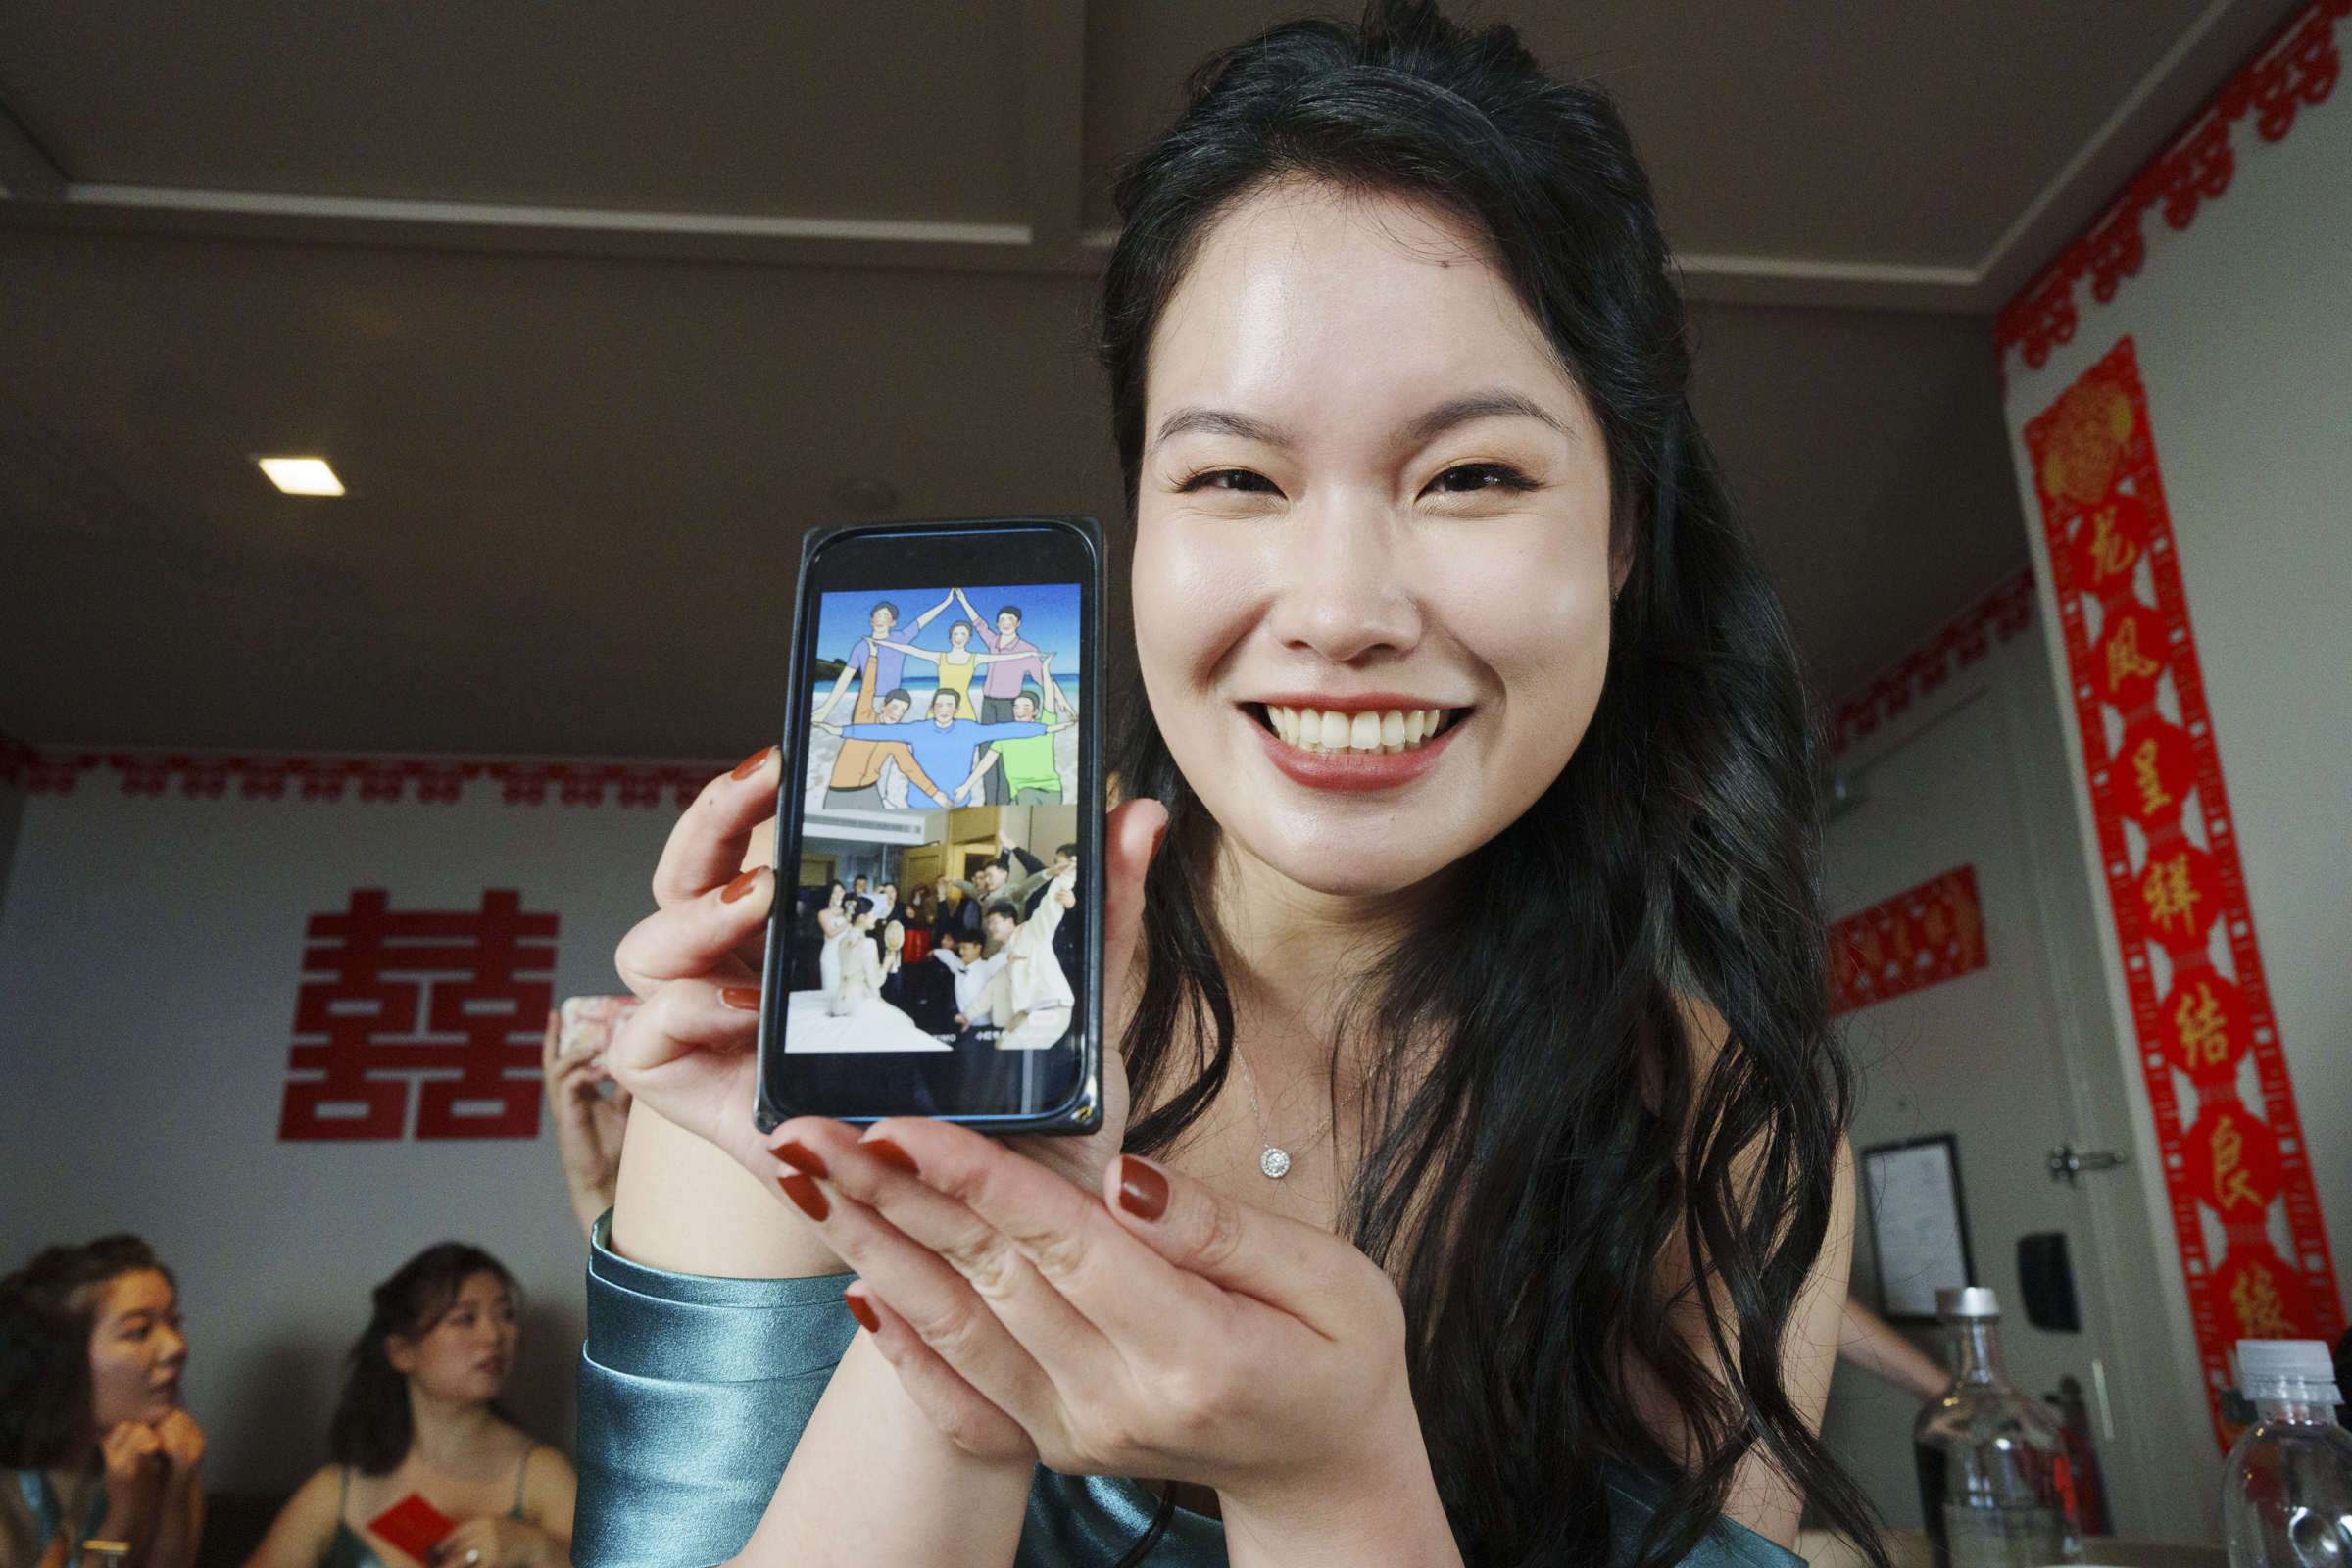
(414, 1525)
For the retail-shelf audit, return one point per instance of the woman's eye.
(1464, 477)
(1241, 481)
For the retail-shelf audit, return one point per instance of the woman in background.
(92, 1437)
(420, 1417)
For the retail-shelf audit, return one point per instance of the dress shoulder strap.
(521, 1471)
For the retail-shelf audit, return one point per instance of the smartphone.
(935, 948)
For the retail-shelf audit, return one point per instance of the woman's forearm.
(1385, 1514)
(684, 1205)
(873, 1481)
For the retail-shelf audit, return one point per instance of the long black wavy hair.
(372, 1425)
(1560, 1131)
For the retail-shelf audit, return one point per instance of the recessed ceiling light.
(302, 476)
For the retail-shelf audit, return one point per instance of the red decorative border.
(436, 779)
(1922, 937)
(1963, 640)
(2199, 1006)
(2299, 66)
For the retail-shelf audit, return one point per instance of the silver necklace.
(1276, 1162)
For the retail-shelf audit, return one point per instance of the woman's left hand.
(498, 1543)
(1161, 1330)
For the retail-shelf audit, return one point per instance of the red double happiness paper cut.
(2248, 1224)
(1932, 933)
(457, 996)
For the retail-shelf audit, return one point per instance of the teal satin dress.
(694, 1389)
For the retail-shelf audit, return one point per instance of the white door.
(2015, 1059)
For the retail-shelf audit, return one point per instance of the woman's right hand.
(687, 1054)
(136, 1467)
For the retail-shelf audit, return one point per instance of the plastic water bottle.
(2287, 1488)
(1995, 1482)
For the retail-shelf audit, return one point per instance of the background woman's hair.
(48, 1309)
(1562, 1133)
(372, 1427)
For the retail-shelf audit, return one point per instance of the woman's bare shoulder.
(306, 1526)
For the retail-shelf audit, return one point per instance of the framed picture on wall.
(1918, 1223)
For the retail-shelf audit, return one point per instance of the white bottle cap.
(2287, 1369)
(1968, 1300)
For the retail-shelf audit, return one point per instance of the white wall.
(150, 951)
(2242, 326)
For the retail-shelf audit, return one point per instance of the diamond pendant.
(1274, 1162)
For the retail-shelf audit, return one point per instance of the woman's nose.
(174, 1345)
(1343, 592)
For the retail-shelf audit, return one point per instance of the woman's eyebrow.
(1218, 422)
(1498, 403)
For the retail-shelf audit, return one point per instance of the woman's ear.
(400, 1352)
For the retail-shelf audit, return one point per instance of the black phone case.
(1082, 1114)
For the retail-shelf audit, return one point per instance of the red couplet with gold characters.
(2251, 1240)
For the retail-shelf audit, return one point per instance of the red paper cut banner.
(459, 995)
(1932, 933)
(2198, 1002)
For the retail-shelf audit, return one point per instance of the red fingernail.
(800, 1157)
(889, 1154)
(741, 887)
(751, 765)
(1158, 833)
(743, 998)
(863, 1312)
(1142, 1191)
(805, 1196)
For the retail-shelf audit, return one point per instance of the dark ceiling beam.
(27, 171)
(1054, 123)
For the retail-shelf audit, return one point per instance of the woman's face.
(1367, 487)
(136, 1350)
(959, 635)
(464, 1357)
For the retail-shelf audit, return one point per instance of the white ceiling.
(594, 306)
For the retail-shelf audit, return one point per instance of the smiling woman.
(1482, 768)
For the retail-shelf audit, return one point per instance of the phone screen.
(938, 949)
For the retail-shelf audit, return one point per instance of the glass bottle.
(1994, 1479)
(2287, 1488)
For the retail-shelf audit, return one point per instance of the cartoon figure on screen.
(1026, 764)
(1013, 660)
(874, 662)
(957, 662)
(943, 746)
(1028, 999)
(857, 780)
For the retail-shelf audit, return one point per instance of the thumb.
(1131, 838)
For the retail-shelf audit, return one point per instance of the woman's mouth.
(1355, 749)
(1366, 732)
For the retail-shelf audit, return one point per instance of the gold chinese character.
(2204, 1031)
(2169, 895)
(2259, 1308)
(2152, 795)
(1937, 925)
(2110, 552)
(2124, 658)
(2231, 1182)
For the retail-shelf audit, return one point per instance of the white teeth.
(1397, 729)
